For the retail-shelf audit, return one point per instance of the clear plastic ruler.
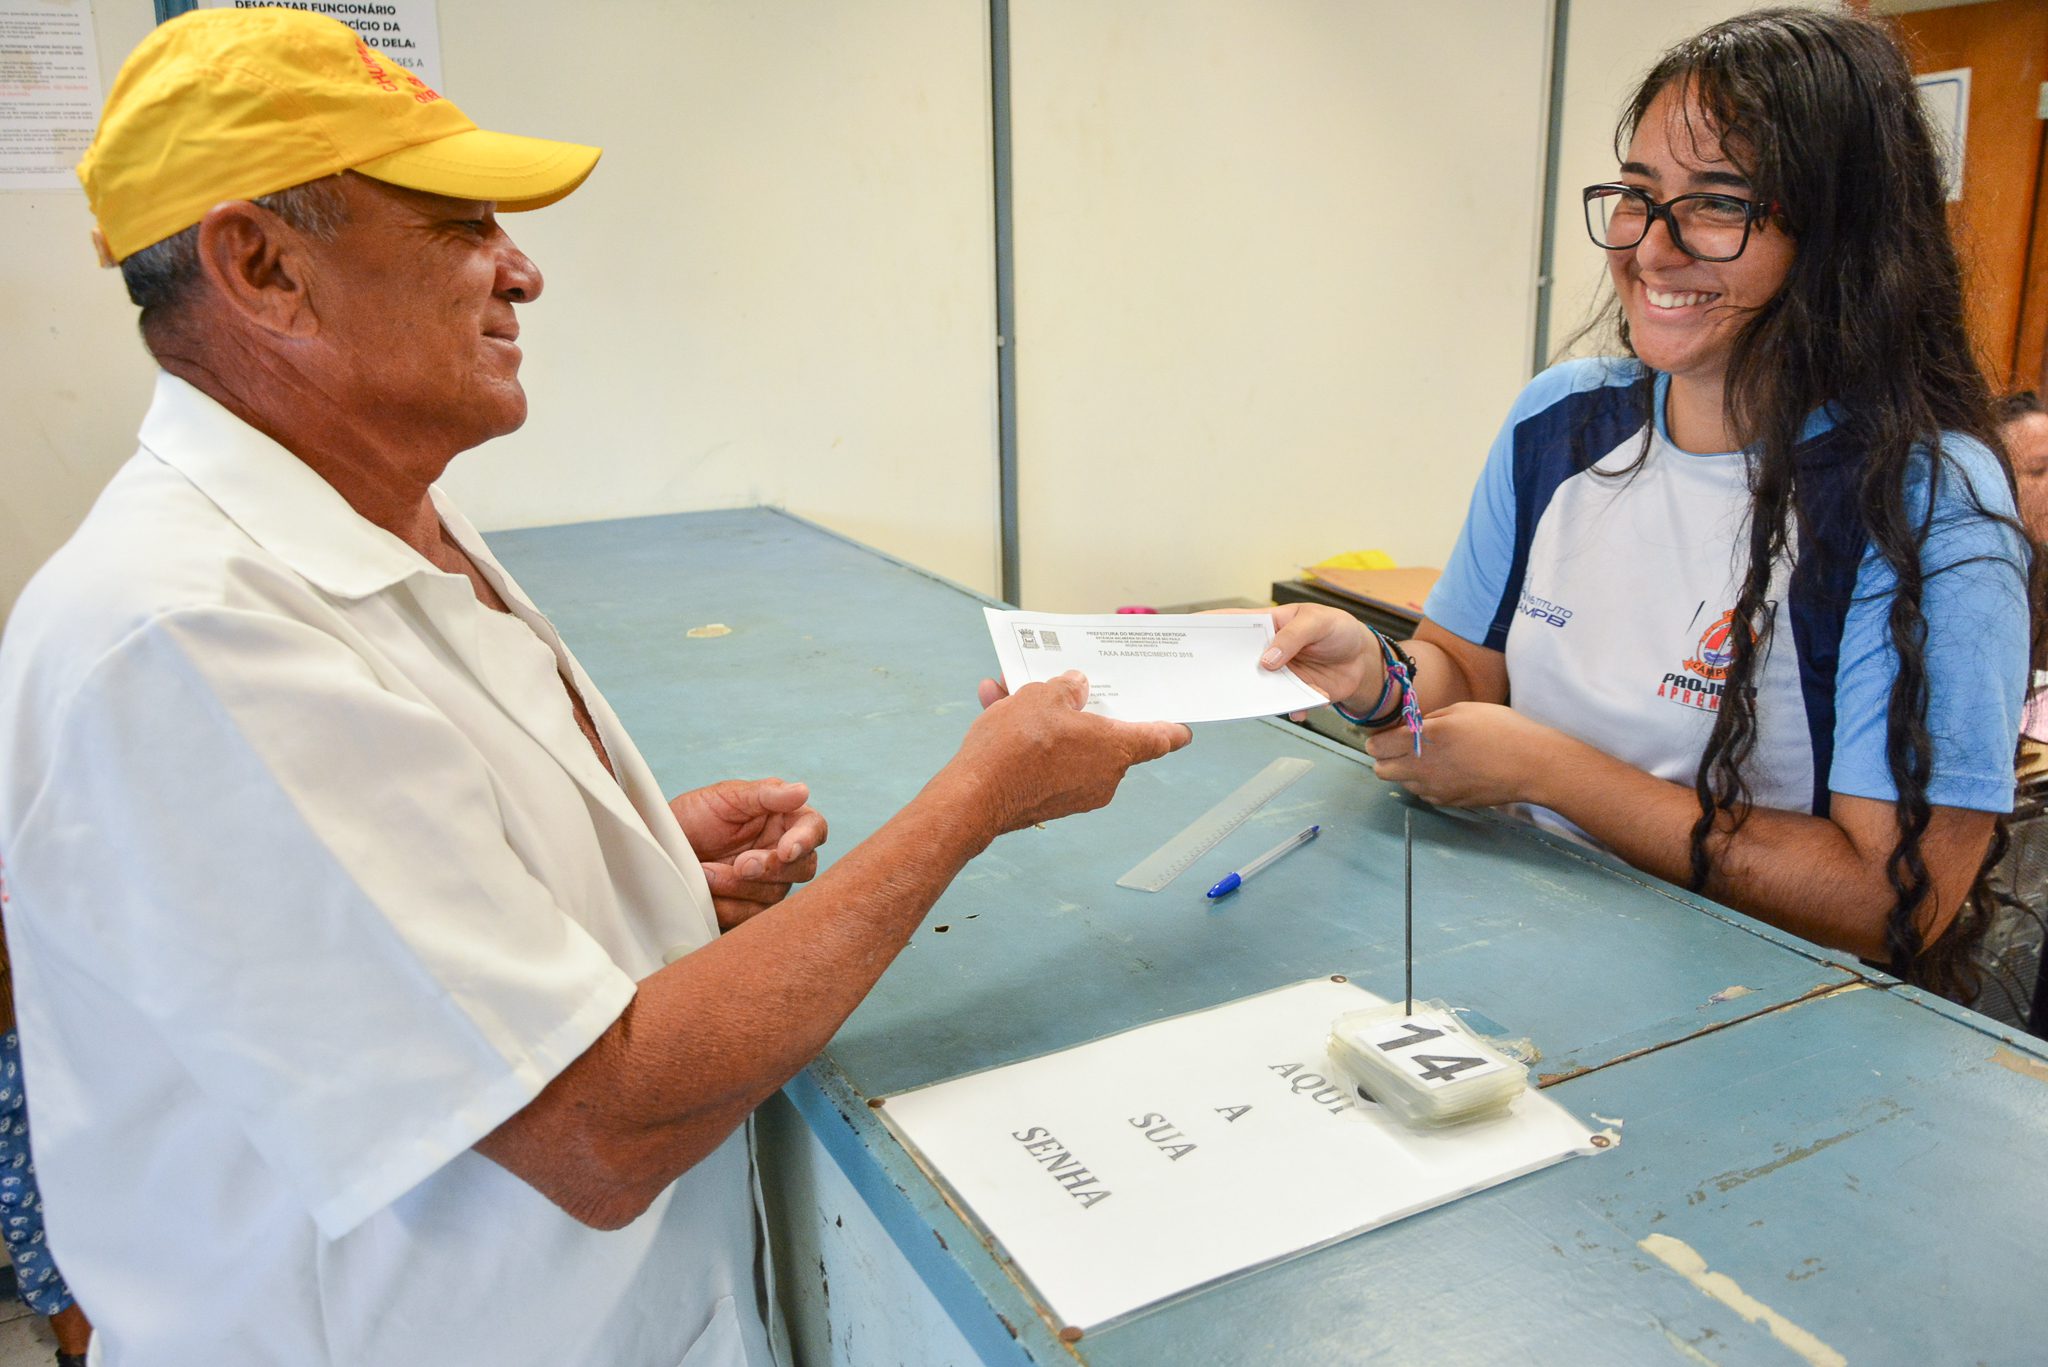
(1172, 859)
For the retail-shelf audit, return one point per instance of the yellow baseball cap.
(226, 104)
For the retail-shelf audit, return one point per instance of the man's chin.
(510, 415)
(501, 424)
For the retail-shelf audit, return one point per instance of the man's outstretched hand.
(1036, 755)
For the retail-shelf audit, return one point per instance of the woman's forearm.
(1810, 875)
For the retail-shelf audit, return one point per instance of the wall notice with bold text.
(407, 32)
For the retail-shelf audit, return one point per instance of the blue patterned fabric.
(21, 1206)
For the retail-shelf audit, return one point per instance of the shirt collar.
(272, 495)
(1821, 421)
(1818, 423)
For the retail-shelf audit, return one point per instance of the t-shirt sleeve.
(301, 879)
(1466, 596)
(1974, 598)
(1467, 599)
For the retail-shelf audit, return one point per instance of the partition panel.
(1275, 280)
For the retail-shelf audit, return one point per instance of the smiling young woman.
(1688, 290)
(1748, 605)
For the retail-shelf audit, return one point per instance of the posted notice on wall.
(1945, 99)
(1125, 1172)
(49, 92)
(408, 32)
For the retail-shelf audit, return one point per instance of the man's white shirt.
(313, 881)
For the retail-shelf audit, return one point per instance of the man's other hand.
(756, 838)
(1035, 755)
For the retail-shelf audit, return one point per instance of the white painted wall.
(778, 287)
(1243, 340)
(73, 376)
(1275, 274)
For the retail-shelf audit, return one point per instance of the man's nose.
(519, 280)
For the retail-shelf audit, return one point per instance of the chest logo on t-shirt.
(1702, 673)
(1542, 609)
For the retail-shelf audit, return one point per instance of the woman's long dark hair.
(1818, 109)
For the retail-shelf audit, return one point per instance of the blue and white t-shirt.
(1613, 591)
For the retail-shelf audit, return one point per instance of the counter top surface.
(1861, 1161)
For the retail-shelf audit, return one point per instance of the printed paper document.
(1153, 667)
(49, 93)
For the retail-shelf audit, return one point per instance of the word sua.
(1164, 1136)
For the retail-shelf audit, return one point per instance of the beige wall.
(73, 377)
(1275, 273)
(778, 287)
(1248, 334)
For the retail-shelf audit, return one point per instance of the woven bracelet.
(1400, 668)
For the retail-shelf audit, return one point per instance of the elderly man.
(378, 1008)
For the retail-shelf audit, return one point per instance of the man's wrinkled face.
(415, 298)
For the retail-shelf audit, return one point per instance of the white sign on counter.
(1124, 1172)
(408, 32)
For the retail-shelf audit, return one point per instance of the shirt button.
(674, 952)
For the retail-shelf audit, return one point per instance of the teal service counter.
(1817, 1164)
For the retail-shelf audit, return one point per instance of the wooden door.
(1999, 222)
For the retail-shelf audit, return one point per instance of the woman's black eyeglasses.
(1704, 227)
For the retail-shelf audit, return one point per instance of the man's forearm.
(708, 1038)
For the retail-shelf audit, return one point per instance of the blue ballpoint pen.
(1232, 881)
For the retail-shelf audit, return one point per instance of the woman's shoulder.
(1968, 511)
(1578, 376)
(1973, 479)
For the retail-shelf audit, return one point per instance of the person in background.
(1749, 605)
(2023, 423)
(36, 1277)
(381, 1008)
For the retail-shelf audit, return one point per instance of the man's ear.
(258, 266)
